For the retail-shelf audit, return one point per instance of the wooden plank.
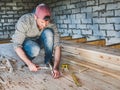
(78, 40)
(87, 78)
(93, 83)
(94, 61)
(97, 42)
(117, 46)
(103, 77)
(66, 38)
(93, 53)
(104, 70)
(5, 41)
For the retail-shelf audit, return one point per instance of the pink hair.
(42, 10)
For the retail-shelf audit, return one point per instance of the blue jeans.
(32, 47)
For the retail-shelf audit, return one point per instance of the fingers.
(33, 67)
(56, 74)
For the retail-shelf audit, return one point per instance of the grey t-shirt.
(26, 27)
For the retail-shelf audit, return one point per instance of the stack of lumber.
(102, 59)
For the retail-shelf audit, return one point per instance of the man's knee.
(35, 50)
(48, 32)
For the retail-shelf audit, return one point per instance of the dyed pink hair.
(42, 10)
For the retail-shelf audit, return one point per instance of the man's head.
(42, 15)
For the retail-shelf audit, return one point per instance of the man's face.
(41, 22)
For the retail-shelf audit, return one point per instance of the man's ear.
(35, 17)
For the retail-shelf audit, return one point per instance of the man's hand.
(33, 67)
(55, 73)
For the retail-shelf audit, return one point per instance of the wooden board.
(97, 42)
(5, 41)
(66, 38)
(104, 70)
(77, 40)
(117, 46)
(93, 53)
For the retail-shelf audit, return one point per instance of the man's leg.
(46, 39)
(31, 49)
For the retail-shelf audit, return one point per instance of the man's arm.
(56, 73)
(57, 57)
(22, 55)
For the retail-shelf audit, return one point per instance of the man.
(34, 31)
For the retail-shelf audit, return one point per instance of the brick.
(112, 40)
(76, 31)
(113, 20)
(86, 21)
(64, 34)
(66, 2)
(111, 33)
(117, 27)
(2, 4)
(117, 34)
(17, 0)
(71, 16)
(60, 13)
(99, 20)
(7, 16)
(81, 4)
(79, 16)
(2, 20)
(95, 14)
(11, 4)
(69, 6)
(21, 4)
(87, 32)
(93, 27)
(89, 3)
(0, 24)
(75, 21)
(107, 27)
(105, 1)
(58, 3)
(69, 31)
(62, 7)
(6, 0)
(103, 32)
(113, 6)
(11, 12)
(66, 11)
(61, 30)
(80, 26)
(72, 25)
(68, 21)
(117, 12)
(77, 10)
(63, 17)
(89, 15)
(87, 9)
(97, 33)
(106, 13)
(98, 8)
(17, 8)
(59, 21)
(75, 1)
(63, 26)
(77, 36)
(5, 8)
(91, 38)
(2, 12)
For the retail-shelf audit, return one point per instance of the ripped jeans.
(32, 48)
